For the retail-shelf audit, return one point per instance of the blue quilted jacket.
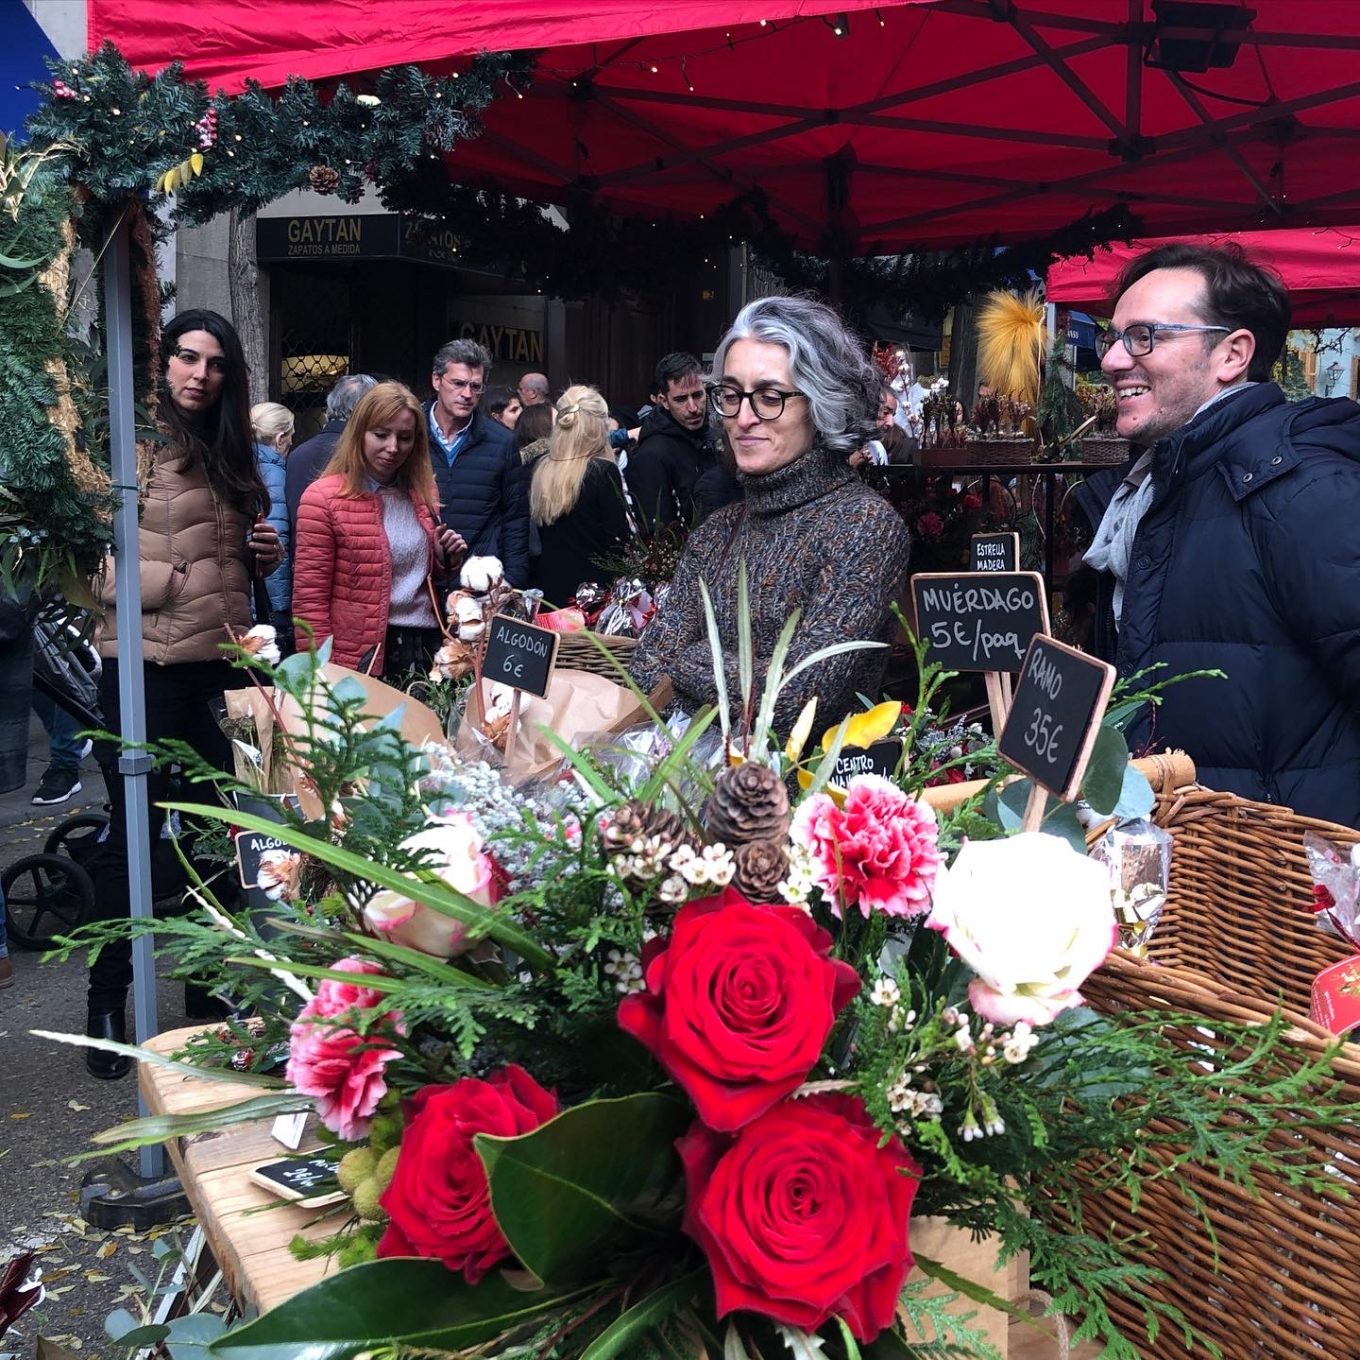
(1248, 560)
(485, 497)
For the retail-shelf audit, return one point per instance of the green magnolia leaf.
(1104, 778)
(382, 1303)
(596, 1178)
(1136, 798)
(634, 1323)
(438, 897)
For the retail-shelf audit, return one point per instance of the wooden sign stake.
(997, 699)
(1033, 819)
(533, 599)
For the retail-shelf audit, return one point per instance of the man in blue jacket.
(1231, 540)
(483, 491)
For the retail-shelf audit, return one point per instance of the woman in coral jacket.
(369, 539)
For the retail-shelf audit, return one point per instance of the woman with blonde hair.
(272, 427)
(576, 497)
(369, 538)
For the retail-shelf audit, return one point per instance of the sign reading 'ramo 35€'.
(1059, 700)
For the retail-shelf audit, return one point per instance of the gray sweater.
(815, 539)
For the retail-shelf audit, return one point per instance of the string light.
(684, 75)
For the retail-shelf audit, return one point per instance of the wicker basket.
(1104, 448)
(580, 652)
(1237, 941)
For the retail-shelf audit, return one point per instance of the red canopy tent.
(920, 123)
(1320, 267)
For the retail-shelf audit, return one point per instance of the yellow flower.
(861, 731)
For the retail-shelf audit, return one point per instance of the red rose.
(972, 502)
(439, 1201)
(803, 1216)
(930, 525)
(738, 1004)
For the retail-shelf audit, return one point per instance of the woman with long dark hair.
(201, 537)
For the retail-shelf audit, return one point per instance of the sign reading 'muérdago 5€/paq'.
(520, 655)
(1059, 701)
(979, 621)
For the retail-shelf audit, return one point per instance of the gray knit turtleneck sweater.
(815, 539)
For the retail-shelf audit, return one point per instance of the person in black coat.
(576, 498)
(1229, 541)
(674, 447)
(477, 466)
(310, 458)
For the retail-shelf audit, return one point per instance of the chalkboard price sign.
(880, 758)
(308, 1180)
(980, 621)
(250, 846)
(520, 655)
(1059, 700)
(994, 552)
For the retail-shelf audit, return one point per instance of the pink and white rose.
(878, 851)
(456, 854)
(1031, 917)
(331, 1061)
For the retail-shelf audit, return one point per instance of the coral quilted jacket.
(342, 571)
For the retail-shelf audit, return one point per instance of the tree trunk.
(243, 273)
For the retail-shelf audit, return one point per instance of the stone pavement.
(49, 1108)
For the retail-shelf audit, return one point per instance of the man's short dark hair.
(674, 368)
(467, 352)
(1238, 294)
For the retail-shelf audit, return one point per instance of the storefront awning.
(868, 127)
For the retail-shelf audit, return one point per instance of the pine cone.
(749, 803)
(761, 867)
(323, 179)
(637, 827)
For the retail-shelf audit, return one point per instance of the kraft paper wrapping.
(578, 704)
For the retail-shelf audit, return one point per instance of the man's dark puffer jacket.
(484, 495)
(664, 467)
(1248, 561)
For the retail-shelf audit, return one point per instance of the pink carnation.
(335, 998)
(341, 1068)
(879, 851)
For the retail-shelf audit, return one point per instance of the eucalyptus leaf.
(1103, 781)
(437, 896)
(1136, 797)
(1062, 821)
(596, 1178)
(383, 1304)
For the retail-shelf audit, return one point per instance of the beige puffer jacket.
(195, 577)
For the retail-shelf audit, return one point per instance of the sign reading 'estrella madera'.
(994, 552)
(979, 621)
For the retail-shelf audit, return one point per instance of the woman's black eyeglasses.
(766, 402)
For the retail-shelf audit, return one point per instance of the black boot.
(107, 1025)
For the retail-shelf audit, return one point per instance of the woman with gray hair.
(797, 395)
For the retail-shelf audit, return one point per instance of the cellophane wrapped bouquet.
(666, 1055)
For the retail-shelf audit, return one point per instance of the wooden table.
(249, 1229)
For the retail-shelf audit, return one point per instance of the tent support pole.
(133, 765)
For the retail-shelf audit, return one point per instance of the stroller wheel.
(77, 837)
(45, 896)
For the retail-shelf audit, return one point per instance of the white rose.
(480, 574)
(1031, 917)
(456, 855)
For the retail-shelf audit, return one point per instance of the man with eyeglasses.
(483, 493)
(675, 447)
(1230, 540)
